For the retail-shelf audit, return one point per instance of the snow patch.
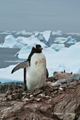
(57, 47)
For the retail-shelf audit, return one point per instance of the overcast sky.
(40, 15)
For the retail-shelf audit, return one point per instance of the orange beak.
(40, 48)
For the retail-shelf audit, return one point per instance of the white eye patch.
(35, 46)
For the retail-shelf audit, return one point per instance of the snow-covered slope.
(57, 47)
(67, 59)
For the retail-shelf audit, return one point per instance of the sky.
(40, 15)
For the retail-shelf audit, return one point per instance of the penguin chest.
(36, 73)
(38, 62)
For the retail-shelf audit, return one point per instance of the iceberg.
(58, 32)
(60, 40)
(70, 40)
(11, 42)
(64, 40)
(45, 37)
(23, 32)
(48, 37)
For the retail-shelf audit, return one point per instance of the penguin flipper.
(24, 64)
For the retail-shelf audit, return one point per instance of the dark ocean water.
(7, 57)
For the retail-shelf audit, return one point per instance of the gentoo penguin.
(36, 71)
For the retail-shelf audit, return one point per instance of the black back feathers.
(36, 49)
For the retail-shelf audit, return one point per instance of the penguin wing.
(24, 64)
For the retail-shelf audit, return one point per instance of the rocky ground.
(59, 102)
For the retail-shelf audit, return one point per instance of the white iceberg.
(62, 40)
(23, 32)
(70, 40)
(11, 42)
(58, 32)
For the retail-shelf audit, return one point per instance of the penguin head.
(37, 48)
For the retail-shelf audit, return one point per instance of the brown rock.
(49, 103)
(61, 75)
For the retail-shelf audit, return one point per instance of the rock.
(73, 77)
(9, 97)
(15, 93)
(48, 103)
(9, 85)
(61, 75)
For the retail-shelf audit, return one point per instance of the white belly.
(36, 73)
